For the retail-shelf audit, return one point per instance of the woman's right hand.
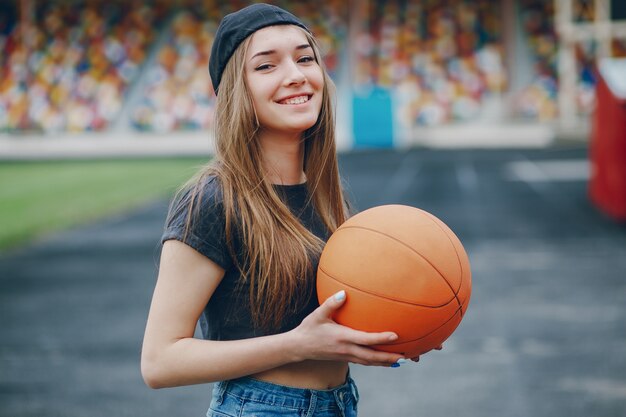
(321, 338)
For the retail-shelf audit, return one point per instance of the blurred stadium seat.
(443, 57)
(70, 69)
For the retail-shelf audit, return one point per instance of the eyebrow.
(273, 51)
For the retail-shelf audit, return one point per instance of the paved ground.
(544, 334)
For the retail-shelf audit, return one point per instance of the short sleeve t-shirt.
(227, 315)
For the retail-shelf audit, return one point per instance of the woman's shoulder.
(198, 197)
(210, 186)
(207, 188)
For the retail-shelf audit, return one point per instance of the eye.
(263, 67)
(306, 59)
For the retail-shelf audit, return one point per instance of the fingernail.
(393, 337)
(399, 362)
(340, 295)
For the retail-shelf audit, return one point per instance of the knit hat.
(237, 26)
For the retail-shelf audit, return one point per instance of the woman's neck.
(283, 157)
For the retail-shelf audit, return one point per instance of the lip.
(309, 95)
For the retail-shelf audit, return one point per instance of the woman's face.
(284, 80)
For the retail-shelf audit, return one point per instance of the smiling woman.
(243, 239)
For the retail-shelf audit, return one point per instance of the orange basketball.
(403, 270)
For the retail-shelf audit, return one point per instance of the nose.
(293, 74)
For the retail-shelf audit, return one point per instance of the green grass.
(38, 198)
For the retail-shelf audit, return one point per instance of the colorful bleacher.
(439, 58)
(77, 64)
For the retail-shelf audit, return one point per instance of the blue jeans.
(251, 397)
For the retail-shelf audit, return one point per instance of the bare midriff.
(310, 374)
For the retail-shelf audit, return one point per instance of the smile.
(295, 100)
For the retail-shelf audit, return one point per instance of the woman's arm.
(171, 356)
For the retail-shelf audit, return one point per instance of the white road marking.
(548, 170)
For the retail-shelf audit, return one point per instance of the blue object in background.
(372, 119)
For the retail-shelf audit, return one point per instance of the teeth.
(296, 100)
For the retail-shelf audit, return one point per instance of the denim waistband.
(251, 389)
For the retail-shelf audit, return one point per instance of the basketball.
(403, 271)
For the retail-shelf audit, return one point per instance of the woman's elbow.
(153, 374)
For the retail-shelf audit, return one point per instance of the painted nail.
(340, 295)
(399, 362)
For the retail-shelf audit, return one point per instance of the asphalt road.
(545, 333)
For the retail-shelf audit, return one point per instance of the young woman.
(243, 239)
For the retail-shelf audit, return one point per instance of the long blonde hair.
(278, 247)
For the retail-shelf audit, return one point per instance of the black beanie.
(237, 26)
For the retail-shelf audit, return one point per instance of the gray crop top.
(227, 314)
